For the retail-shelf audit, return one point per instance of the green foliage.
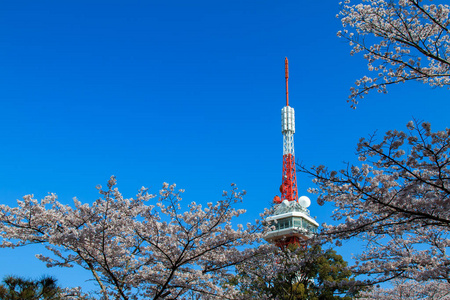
(17, 288)
(303, 273)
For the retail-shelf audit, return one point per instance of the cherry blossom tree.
(409, 290)
(401, 40)
(397, 201)
(145, 247)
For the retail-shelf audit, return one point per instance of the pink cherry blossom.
(401, 40)
(146, 247)
(397, 202)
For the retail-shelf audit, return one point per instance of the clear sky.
(185, 92)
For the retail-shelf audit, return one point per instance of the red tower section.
(288, 187)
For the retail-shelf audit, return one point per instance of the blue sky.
(185, 92)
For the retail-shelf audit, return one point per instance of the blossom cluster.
(397, 201)
(144, 247)
(401, 40)
(409, 289)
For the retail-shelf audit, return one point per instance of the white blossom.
(394, 37)
(145, 247)
(397, 202)
(409, 290)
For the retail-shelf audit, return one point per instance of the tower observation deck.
(291, 217)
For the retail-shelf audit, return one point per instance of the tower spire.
(286, 75)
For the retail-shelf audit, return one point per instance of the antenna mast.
(286, 75)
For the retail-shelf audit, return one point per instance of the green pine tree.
(17, 288)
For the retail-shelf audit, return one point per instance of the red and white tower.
(288, 187)
(291, 217)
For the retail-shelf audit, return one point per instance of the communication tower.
(291, 217)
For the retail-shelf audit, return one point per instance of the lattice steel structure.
(288, 187)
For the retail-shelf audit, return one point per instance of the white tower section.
(288, 129)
